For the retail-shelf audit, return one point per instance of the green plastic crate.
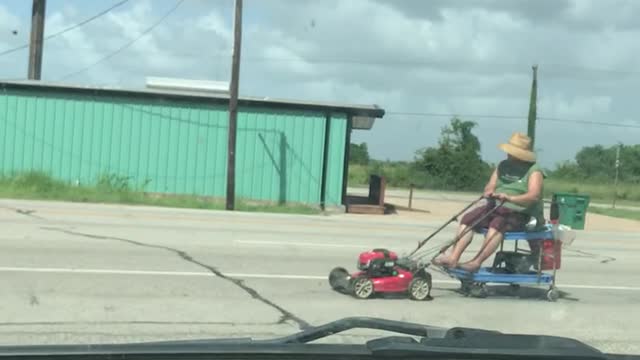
(571, 209)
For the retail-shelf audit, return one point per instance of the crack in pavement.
(25, 212)
(605, 258)
(285, 314)
(132, 322)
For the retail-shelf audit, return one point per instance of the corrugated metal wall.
(171, 147)
(335, 159)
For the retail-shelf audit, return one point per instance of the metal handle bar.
(452, 219)
(468, 229)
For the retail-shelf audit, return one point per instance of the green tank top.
(513, 179)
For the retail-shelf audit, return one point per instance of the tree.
(359, 154)
(456, 162)
(597, 163)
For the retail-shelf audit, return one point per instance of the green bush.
(455, 164)
(34, 181)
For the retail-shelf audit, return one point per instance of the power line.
(588, 122)
(127, 45)
(511, 117)
(549, 67)
(407, 62)
(448, 115)
(73, 27)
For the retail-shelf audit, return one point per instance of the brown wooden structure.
(371, 204)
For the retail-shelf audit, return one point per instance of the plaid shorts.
(502, 219)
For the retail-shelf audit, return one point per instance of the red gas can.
(551, 252)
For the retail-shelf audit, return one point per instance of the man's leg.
(485, 241)
(452, 259)
(469, 219)
(491, 243)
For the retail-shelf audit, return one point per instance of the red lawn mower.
(382, 271)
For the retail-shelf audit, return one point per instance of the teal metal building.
(176, 142)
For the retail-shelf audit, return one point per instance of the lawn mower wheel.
(362, 287)
(419, 288)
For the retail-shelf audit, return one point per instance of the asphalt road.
(75, 273)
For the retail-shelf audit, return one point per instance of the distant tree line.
(359, 154)
(598, 163)
(456, 164)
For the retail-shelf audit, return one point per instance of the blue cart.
(521, 266)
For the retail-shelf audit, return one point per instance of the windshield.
(184, 169)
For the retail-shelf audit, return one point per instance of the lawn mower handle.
(469, 228)
(452, 219)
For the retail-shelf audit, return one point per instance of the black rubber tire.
(338, 277)
(465, 287)
(478, 290)
(361, 287)
(419, 288)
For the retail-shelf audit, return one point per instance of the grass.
(117, 190)
(627, 194)
(618, 213)
(399, 175)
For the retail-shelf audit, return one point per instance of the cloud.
(8, 23)
(544, 10)
(465, 57)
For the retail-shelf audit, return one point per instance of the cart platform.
(488, 275)
(547, 233)
(474, 283)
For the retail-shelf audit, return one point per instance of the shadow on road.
(515, 292)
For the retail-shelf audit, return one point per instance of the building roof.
(372, 111)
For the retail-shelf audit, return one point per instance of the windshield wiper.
(432, 343)
(459, 341)
(350, 323)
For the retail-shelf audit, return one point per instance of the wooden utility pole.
(615, 181)
(36, 43)
(533, 112)
(233, 106)
(411, 196)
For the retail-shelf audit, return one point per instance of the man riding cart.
(518, 183)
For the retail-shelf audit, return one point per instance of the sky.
(421, 61)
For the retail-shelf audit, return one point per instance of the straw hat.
(519, 146)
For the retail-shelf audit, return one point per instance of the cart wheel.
(465, 287)
(479, 290)
(338, 277)
(553, 294)
(419, 288)
(362, 287)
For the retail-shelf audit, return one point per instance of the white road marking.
(104, 271)
(573, 255)
(251, 276)
(301, 244)
(153, 273)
